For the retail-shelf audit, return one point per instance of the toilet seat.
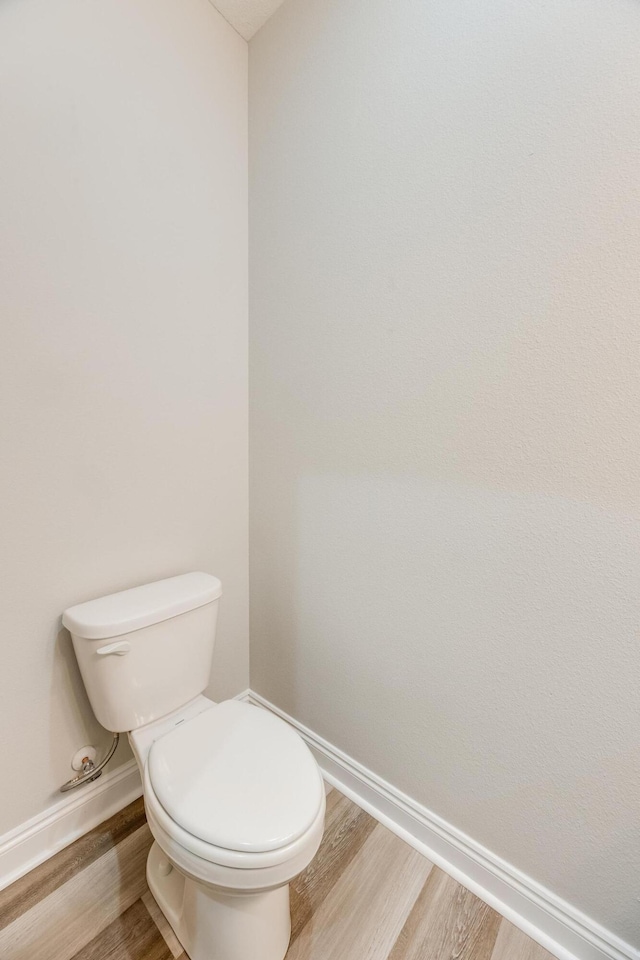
(228, 869)
(236, 777)
(239, 776)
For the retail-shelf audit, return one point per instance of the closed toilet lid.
(237, 777)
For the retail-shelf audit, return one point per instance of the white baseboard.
(555, 924)
(75, 814)
(558, 926)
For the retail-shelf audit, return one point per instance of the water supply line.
(89, 770)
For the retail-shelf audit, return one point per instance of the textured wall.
(445, 357)
(123, 375)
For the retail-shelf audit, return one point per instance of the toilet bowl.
(234, 798)
(242, 777)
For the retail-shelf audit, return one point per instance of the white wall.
(445, 356)
(123, 363)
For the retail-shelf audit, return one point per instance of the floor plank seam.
(367, 894)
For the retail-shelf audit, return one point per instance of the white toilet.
(234, 799)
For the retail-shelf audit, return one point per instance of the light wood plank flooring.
(366, 896)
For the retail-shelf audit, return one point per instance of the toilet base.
(213, 924)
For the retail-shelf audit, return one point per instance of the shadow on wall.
(503, 624)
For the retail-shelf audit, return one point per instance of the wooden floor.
(366, 896)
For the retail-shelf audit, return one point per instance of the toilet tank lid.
(141, 606)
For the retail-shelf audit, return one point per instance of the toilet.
(234, 798)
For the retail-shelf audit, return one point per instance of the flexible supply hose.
(89, 770)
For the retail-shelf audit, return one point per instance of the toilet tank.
(147, 651)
